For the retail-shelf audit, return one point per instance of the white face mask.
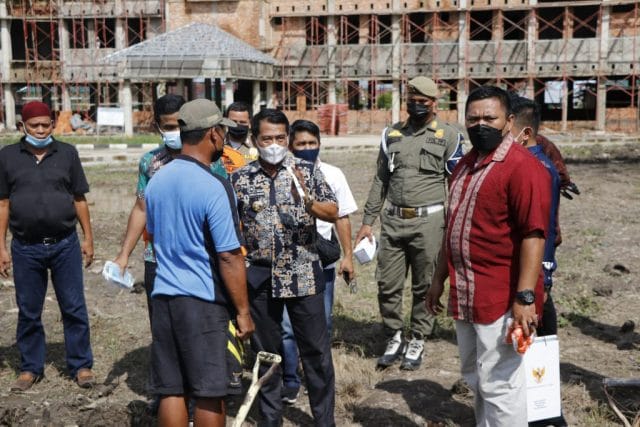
(172, 139)
(523, 142)
(273, 154)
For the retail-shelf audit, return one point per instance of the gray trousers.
(407, 244)
(495, 372)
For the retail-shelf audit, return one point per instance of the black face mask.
(484, 138)
(239, 132)
(417, 111)
(218, 153)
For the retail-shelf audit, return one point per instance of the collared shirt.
(41, 193)
(412, 166)
(346, 203)
(492, 207)
(549, 259)
(191, 219)
(150, 163)
(277, 229)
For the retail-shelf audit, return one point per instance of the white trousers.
(494, 371)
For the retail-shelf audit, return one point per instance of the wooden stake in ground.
(256, 382)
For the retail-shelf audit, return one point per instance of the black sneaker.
(413, 357)
(395, 349)
(289, 395)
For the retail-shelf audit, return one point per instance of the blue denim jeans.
(290, 376)
(31, 263)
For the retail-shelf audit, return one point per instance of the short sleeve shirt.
(278, 232)
(492, 207)
(192, 216)
(41, 194)
(150, 163)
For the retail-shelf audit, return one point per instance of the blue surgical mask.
(310, 155)
(37, 142)
(172, 139)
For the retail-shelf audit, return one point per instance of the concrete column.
(66, 99)
(9, 108)
(461, 100)
(601, 99)
(532, 36)
(180, 87)
(269, 95)
(395, 67)
(331, 52)
(463, 41)
(228, 92)
(601, 103)
(256, 96)
(565, 104)
(126, 103)
(5, 40)
(120, 34)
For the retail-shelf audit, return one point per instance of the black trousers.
(310, 329)
(549, 319)
(149, 278)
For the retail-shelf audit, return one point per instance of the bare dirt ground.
(597, 290)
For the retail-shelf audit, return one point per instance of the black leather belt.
(45, 240)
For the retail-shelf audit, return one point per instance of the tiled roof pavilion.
(194, 50)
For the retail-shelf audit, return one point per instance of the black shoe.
(413, 356)
(395, 349)
(289, 395)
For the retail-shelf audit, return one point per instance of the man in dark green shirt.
(415, 158)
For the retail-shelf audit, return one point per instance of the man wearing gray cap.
(415, 157)
(200, 280)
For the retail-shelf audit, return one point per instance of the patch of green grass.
(580, 305)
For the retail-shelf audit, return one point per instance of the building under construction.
(343, 63)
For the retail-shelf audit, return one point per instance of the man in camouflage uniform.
(415, 158)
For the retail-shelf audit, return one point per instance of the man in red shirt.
(492, 252)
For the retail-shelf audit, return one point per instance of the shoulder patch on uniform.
(433, 124)
(394, 133)
(439, 133)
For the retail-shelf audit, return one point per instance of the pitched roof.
(192, 42)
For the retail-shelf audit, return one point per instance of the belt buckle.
(408, 213)
(49, 240)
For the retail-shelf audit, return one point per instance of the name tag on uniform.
(437, 141)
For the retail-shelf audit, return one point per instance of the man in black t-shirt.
(42, 188)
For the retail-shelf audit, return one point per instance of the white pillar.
(601, 97)
(331, 56)
(256, 96)
(463, 40)
(461, 100)
(9, 108)
(66, 99)
(228, 92)
(565, 104)
(120, 34)
(269, 95)
(126, 103)
(395, 68)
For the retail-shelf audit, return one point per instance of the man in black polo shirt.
(42, 188)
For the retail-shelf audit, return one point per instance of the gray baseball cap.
(424, 86)
(201, 114)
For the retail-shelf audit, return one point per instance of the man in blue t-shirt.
(200, 279)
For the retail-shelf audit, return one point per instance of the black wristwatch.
(526, 297)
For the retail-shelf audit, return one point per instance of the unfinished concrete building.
(343, 63)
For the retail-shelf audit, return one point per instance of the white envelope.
(366, 250)
(542, 364)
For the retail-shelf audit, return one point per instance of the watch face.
(526, 297)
